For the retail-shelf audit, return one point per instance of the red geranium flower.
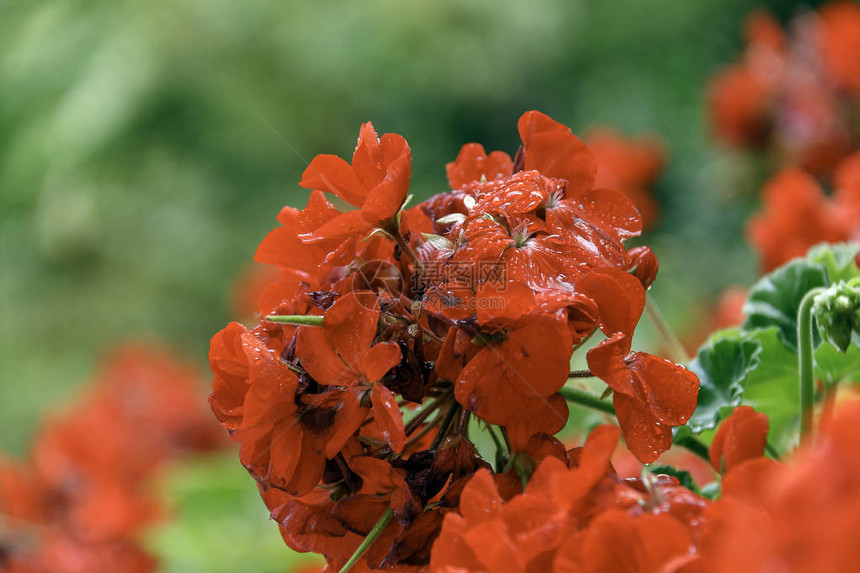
(377, 182)
(741, 437)
(650, 394)
(798, 215)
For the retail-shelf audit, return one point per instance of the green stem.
(446, 423)
(407, 250)
(583, 398)
(368, 541)
(580, 374)
(496, 440)
(771, 451)
(299, 319)
(805, 360)
(676, 349)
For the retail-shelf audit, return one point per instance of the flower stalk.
(676, 349)
(806, 360)
(297, 319)
(368, 541)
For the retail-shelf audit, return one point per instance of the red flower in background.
(797, 214)
(802, 516)
(80, 502)
(794, 92)
(630, 165)
(839, 43)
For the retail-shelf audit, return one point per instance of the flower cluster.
(771, 516)
(80, 501)
(392, 335)
(578, 518)
(797, 213)
(796, 93)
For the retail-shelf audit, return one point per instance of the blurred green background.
(146, 146)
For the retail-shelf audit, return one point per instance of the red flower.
(81, 500)
(742, 436)
(341, 357)
(650, 394)
(418, 325)
(377, 182)
(550, 148)
(617, 541)
(840, 43)
(797, 215)
(631, 166)
(473, 164)
(740, 105)
(801, 516)
(492, 534)
(793, 93)
(523, 359)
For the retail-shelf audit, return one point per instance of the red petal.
(606, 361)
(319, 358)
(285, 452)
(667, 390)
(473, 163)
(480, 500)
(350, 325)
(347, 421)
(367, 160)
(610, 210)
(645, 436)
(387, 414)
(742, 436)
(349, 223)
(385, 199)
(379, 359)
(331, 174)
(619, 296)
(550, 422)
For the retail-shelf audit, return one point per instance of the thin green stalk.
(580, 374)
(368, 541)
(771, 451)
(676, 349)
(805, 361)
(407, 250)
(298, 319)
(496, 440)
(584, 398)
(446, 423)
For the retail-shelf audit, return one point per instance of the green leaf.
(832, 366)
(774, 300)
(772, 387)
(722, 365)
(838, 260)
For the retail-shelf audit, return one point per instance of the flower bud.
(837, 312)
